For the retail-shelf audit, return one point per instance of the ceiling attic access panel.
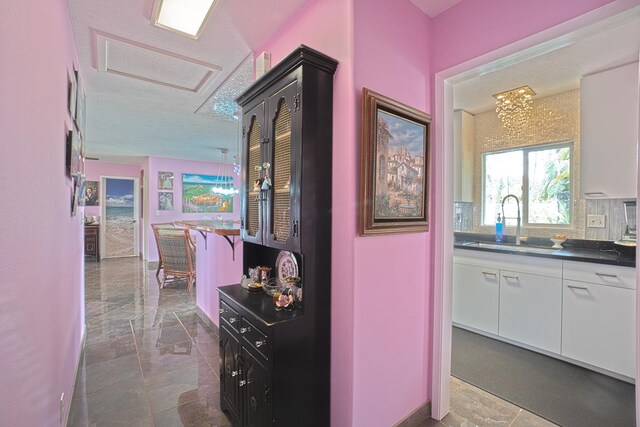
(252, 197)
(283, 153)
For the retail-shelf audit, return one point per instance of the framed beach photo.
(165, 180)
(394, 168)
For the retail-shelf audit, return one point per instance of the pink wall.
(474, 27)
(391, 323)
(41, 254)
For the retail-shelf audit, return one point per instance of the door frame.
(537, 44)
(103, 214)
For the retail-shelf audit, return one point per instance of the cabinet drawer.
(230, 316)
(602, 274)
(255, 338)
(598, 326)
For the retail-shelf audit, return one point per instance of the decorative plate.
(286, 265)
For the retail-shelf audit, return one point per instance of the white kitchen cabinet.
(475, 297)
(463, 150)
(598, 325)
(531, 309)
(609, 132)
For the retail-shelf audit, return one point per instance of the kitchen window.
(540, 176)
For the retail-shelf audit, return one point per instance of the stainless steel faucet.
(504, 223)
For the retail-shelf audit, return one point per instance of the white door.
(120, 213)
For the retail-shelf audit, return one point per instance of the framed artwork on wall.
(165, 201)
(91, 193)
(198, 195)
(72, 87)
(165, 180)
(394, 167)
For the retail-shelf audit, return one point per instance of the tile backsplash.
(614, 224)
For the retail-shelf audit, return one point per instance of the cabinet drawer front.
(598, 326)
(531, 309)
(603, 274)
(255, 338)
(230, 316)
(475, 297)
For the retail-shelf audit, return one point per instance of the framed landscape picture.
(198, 197)
(394, 169)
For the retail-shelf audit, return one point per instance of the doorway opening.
(449, 85)
(121, 213)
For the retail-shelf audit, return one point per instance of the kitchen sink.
(512, 248)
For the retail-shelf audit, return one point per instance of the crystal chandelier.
(514, 109)
(224, 185)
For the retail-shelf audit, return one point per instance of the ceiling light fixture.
(224, 182)
(183, 17)
(514, 108)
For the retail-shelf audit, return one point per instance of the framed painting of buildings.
(394, 169)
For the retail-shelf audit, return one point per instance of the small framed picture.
(165, 180)
(73, 92)
(165, 201)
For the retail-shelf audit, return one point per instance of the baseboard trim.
(202, 315)
(417, 417)
(67, 413)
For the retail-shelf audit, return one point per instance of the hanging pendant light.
(224, 185)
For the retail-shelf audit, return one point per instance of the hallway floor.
(149, 360)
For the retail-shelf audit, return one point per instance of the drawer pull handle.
(582, 288)
(244, 330)
(232, 320)
(594, 193)
(606, 275)
(234, 373)
(261, 343)
(507, 276)
(242, 383)
(489, 273)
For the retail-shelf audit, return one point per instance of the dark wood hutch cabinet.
(274, 365)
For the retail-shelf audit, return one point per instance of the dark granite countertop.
(595, 251)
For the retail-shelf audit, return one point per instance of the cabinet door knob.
(222, 311)
(232, 320)
(234, 373)
(261, 343)
(244, 330)
(242, 383)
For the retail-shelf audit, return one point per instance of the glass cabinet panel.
(281, 213)
(253, 193)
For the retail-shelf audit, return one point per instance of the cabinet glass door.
(252, 218)
(283, 219)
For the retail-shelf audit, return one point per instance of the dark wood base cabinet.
(92, 242)
(275, 365)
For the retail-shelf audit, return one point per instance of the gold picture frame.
(394, 168)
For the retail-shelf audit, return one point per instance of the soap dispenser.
(499, 230)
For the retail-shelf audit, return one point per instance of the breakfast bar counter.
(228, 229)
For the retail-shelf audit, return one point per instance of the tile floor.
(149, 360)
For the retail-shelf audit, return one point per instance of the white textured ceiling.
(434, 7)
(557, 66)
(129, 118)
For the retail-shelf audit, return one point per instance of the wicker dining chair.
(178, 255)
(164, 226)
